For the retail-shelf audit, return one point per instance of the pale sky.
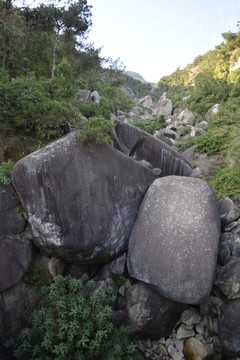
(154, 37)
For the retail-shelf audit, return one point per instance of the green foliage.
(207, 92)
(35, 276)
(119, 279)
(214, 140)
(75, 322)
(152, 125)
(97, 130)
(5, 172)
(227, 182)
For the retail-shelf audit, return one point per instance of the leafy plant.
(152, 125)
(75, 322)
(35, 276)
(5, 171)
(97, 130)
(227, 182)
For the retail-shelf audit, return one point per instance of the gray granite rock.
(174, 242)
(11, 221)
(228, 279)
(81, 201)
(151, 314)
(229, 329)
(15, 258)
(228, 210)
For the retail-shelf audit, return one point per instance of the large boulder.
(15, 258)
(81, 200)
(211, 112)
(163, 107)
(151, 314)
(228, 210)
(174, 242)
(142, 146)
(11, 221)
(146, 102)
(229, 329)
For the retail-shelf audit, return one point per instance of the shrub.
(227, 182)
(213, 141)
(5, 171)
(150, 126)
(97, 130)
(74, 323)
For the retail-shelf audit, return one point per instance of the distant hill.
(136, 76)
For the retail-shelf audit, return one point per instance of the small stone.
(231, 226)
(161, 350)
(190, 317)
(121, 290)
(211, 306)
(117, 266)
(169, 342)
(179, 344)
(184, 332)
(194, 349)
(228, 210)
(162, 341)
(200, 338)
(56, 266)
(148, 343)
(217, 345)
(200, 328)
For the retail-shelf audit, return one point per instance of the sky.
(155, 37)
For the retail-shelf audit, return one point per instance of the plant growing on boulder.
(150, 126)
(97, 130)
(75, 322)
(5, 171)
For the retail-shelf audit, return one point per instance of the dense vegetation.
(44, 62)
(213, 78)
(75, 321)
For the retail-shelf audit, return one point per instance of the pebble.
(185, 331)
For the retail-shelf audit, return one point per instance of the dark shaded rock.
(229, 248)
(228, 279)
(149, 313)
(228, 210)
(231, 226)
(229, 329)
(176, 234)
(16, 304)
(142, 146)
(117, 266)
(120, 318)
(171, 134)
(15, 258)
(95, 97)
(11, 222)
(81, 201)
(211, 306)
(163, 138)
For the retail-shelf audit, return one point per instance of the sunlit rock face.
(174, 243)
(81, 201)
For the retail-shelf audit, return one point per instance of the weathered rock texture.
(15, 258)
(174, 243)
(81, 201)
(11, 222)
(229, 329)
(151, 314)
(142, 146)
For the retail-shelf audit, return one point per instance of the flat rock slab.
(81, 201)
(174, 243)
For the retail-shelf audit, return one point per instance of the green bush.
(97, 130)
(226, 182)
(214, 140)
(5, 171)
(150, 126)
(74, 323)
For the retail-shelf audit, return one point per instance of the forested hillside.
(44, 61)
(213, 78)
